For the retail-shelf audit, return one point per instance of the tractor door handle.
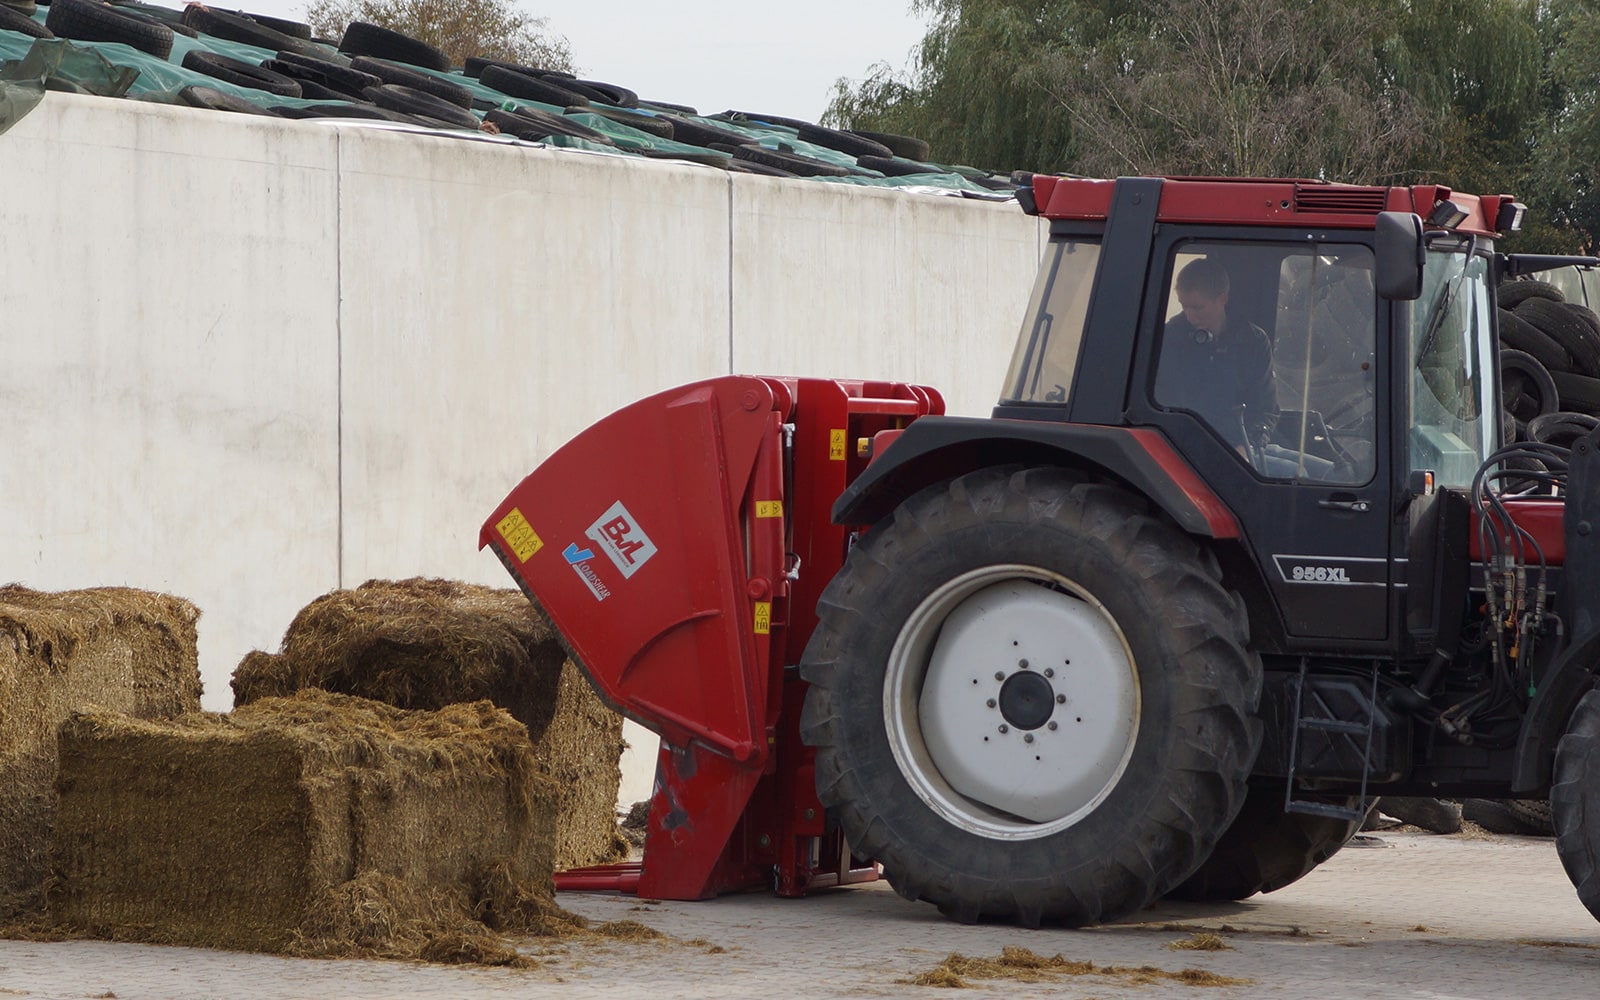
(1343, 503)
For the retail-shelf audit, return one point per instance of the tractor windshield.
(1047, 351)
(1454, 421)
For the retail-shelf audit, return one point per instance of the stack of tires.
(1549, 364)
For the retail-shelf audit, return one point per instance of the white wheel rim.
(1011, 701)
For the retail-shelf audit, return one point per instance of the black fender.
(1572, 671)
(934, 449)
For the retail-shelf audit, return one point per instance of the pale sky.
(716, 55)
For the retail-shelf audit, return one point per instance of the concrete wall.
(249, 361)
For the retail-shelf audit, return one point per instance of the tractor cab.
(1346, 349)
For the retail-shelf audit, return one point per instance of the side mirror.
(1400, 253)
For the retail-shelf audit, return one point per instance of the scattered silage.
(1022, 965)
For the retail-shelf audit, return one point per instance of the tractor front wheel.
(1031, 699)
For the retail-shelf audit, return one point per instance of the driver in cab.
(1217, 366)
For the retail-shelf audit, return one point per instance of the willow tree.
(1362, 90)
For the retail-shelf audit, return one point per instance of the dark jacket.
(1226, 378)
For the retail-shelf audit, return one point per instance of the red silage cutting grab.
(679, 547)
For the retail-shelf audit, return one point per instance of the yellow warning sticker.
(836, 444)
(763, 618)
(519, 534)
(769, 508)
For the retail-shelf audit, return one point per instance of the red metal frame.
(1543, 519)
(679, 547)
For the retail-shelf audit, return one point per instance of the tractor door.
(1264, 372)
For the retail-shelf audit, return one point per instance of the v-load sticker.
(578, 559)
(622, 540)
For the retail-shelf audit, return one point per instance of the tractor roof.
(1279, 202)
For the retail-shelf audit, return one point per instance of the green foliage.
(495, 29)
(1493, 96)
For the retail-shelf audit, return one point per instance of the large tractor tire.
(1266, 848)
(1575, 800)
(1031, 699)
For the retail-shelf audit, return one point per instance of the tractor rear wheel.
(1575, 800)
(1031, 699)
(1266, 848)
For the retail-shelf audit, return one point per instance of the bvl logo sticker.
(622, 540)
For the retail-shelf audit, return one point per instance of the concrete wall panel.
(169, 385)
(874, 283)
(496, 301)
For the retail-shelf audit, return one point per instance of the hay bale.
(311, 824)
(128, 650)
(424, 644)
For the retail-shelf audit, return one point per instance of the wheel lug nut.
(990, 702)
(1061, 699)
(1028, 738)
(999, 676)
(1023, 664)
(1052, 727)
(1048, 672)
(1005, 728)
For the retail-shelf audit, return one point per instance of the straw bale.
(128, 650)
(424, 644)
(268, 829)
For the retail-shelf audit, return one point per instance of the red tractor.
(1239, 548)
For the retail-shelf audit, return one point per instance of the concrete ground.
(1413, 915)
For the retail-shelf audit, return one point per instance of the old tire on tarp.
(344, 79)
(1095, 613)
(1266, 848)
(1561, 428)
(530, 88)
(411, 101)
(606, 93)
(240, 73)
(1575, 800)
(294, 29)
(906, 146)
(533, 125)
(363, 38)
(695, 133)
(655, 125)
(1559, 322)
(1529, 390)
(400, 76)
(1520, 335)
(1511, 293)
(86, 21)
(235, 28)
(844, 142)
(1579, 393)
(13, 19)
(800, 166)
(891, 166)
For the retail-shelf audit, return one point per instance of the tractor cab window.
(1047, 351)
(1271, 346)
(1453, 420)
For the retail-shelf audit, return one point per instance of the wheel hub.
(1012, 702)
(1026, 700)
